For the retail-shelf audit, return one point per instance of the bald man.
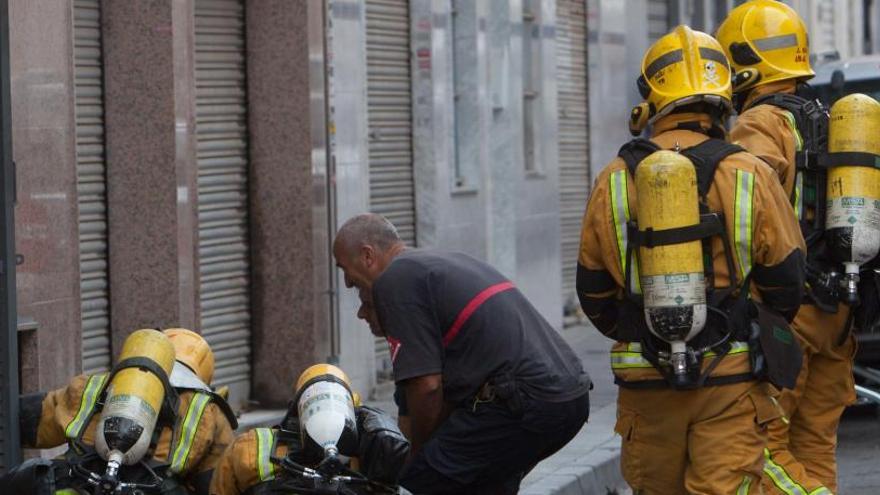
(490, 388)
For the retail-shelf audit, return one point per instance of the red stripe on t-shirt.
(472, 306)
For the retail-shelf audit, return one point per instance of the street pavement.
(589, 464)
(858, 452)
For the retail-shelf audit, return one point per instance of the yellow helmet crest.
(766, 41)
(685, 67)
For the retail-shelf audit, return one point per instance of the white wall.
(472, 121)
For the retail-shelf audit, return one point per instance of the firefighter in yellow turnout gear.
(691, 407)
(190, 439)
(782, 122)
(325, 420)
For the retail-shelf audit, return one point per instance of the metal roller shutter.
(221, 129)
(574, 167)
(658, 19)
(91, 186)
(824, 39)
(389, 106)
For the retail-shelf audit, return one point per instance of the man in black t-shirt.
(490, 388)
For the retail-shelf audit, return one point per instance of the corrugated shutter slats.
(91, 186)
(389, 102)
(574, 170)
(221, 126)
(658, 19)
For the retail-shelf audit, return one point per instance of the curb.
(588, 465)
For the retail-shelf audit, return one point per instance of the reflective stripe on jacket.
(247, 462)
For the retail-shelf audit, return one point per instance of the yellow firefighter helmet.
(321, 371)
(192, 350)
(682, 68)
(766, 41)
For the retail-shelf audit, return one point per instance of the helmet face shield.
(767, 38)
(685, 67)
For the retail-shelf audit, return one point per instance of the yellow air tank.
(852, 222)
(133, 401)
(672, 278)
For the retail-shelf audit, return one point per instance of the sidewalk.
(590, 463)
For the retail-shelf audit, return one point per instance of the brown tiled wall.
(46, 214)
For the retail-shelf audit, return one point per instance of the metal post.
(10, 449)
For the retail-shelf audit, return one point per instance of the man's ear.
(368, 255)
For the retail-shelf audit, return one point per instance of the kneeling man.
(491, 389)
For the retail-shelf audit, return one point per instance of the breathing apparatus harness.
(86, 467)
(732, 316)
(705, 156)
(825, 281)
(329, 476)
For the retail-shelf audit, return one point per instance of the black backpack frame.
(706, 157)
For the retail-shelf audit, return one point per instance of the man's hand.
(424, 400)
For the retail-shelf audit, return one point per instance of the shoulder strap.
(706, 156)
(182, 446)
(266, 442)
(87, 406)
(635, 151)
(793, 103)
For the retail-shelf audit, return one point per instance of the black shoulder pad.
(706, 156)
(635, 151)
(785, 101)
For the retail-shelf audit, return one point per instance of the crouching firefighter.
(828, 172)
(326, 443)
(690, 257)
(150, 425)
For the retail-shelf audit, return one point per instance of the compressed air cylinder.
(853, 217)
(326, 413)
(672, 279)
(134, 399)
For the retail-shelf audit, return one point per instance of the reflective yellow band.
(632, 356)
(784, 482)
(792, 124)
(628, 360)
(86, 405)
(265, 441)
(735, 348)
(621, 215)
(188, 432)
(742, 220)
(744, 486)
(798, 200)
